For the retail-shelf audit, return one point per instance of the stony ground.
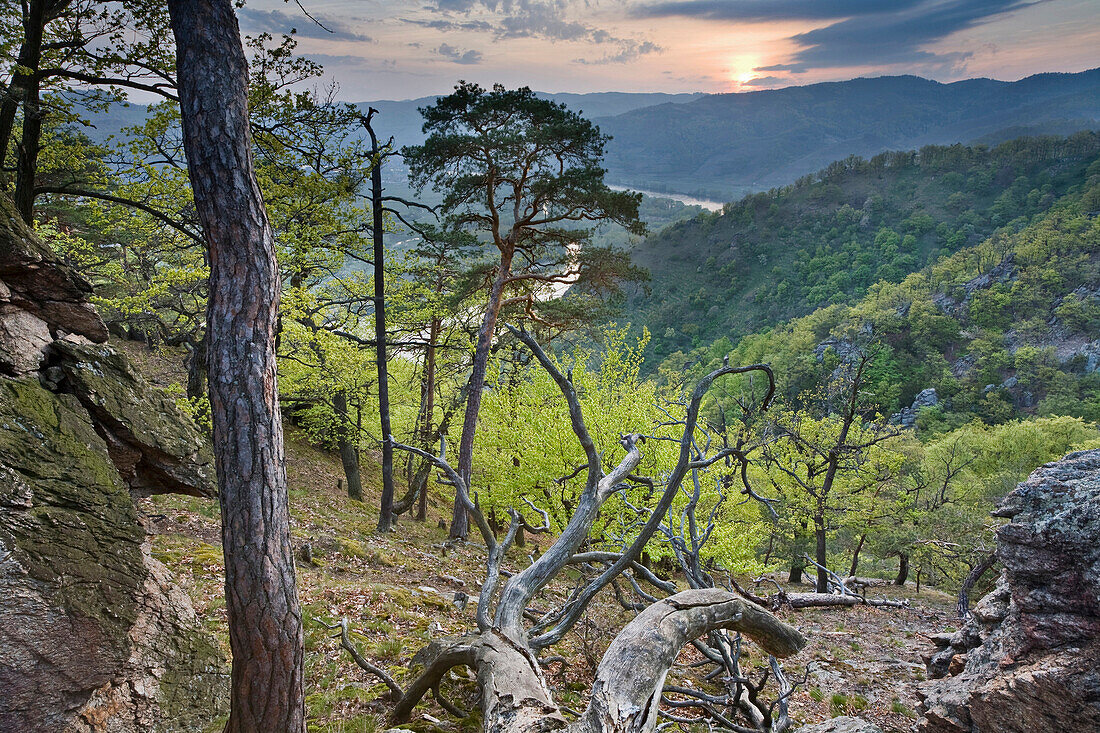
(398, 591)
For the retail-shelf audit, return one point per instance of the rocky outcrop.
(93, 635)
(907, 418)
(40, 299)
(154, 445)
(1029, 658)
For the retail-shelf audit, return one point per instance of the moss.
(351, 548)
(72, 524)
(79, 530)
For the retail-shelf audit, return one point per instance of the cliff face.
(93, 634)
(1029, 658)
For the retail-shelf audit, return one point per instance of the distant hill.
(401, 118)
(725, 145)
(828, 237)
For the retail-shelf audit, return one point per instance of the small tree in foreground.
(629, 685)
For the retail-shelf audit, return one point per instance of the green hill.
(1004, 329)
(829, 237)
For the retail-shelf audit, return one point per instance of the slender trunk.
(265, 619)
(459, 521)
(771, 546)
(427, 411)
(349, 456)
(30, 56)
(855, 555)
(27, 161)
(25, 89)
(971, 579)
(903, 569)
(820, 555)
(385, 513)
(196, 369)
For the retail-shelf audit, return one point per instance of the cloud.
(866, 32)
(457, 55)
(630, 51)
(278, 22)
(771, 10)
(451, 25)
(344, 61)
(542, 19)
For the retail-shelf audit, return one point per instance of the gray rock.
(908, 416)
(154, 445)
(36, 281)
(1032, 646)
(23, 341)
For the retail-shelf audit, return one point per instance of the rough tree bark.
(265, 622)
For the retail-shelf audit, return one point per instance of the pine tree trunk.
(459, 522)
(265, 620)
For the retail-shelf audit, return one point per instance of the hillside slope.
(724, 145)
(1005, 329)
(777, 255)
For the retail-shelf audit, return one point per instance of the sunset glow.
(388, 49)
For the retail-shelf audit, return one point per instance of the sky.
(382, 49)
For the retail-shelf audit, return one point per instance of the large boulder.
(1029, 657)
(94, 637)
(154, 445)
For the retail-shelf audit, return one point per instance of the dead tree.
(629, 683)
(738, 704)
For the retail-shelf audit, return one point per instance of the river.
(686, 200)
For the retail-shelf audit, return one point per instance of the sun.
(745, 77)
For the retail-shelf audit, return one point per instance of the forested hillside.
(829, 237)
(1004, 329)
(725, 145)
